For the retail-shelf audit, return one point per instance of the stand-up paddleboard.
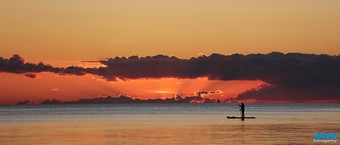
(233, 117)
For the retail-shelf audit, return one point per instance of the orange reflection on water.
(129, 133)
(267, 128)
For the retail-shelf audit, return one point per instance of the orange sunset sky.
(65, 33)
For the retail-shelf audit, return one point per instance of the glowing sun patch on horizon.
(164, 92)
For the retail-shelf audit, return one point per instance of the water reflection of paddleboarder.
(242, 109)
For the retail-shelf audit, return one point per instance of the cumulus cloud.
(291, 76)
(203, 93)
(274, 68)
(16, 64)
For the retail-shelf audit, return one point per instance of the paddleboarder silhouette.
(241, 109)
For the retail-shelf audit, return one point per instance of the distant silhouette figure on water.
(241, 109)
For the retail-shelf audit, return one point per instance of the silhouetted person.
(218, 100)
(242, 109)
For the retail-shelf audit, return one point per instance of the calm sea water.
(165, 123)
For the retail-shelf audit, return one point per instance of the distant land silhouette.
(25, 102)
(121, 99)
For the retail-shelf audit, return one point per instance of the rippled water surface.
(166, 123)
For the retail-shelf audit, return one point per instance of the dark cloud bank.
(292, 76)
